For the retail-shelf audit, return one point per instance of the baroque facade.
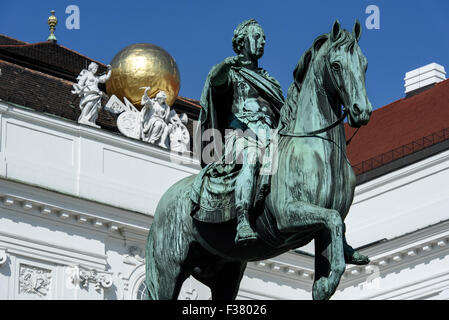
(76, 202)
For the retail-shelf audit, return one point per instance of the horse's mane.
(287, 112)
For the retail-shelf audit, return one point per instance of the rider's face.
(256, 41)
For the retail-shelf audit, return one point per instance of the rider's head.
(249, 38)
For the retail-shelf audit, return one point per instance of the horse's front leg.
(299, 215)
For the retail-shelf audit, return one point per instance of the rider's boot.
(245, 234)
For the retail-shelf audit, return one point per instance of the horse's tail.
(168, 242)
(151, 270)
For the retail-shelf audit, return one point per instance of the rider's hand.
(219, 73)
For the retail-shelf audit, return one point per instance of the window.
(142, 291)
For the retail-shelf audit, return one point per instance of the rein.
(311, 133)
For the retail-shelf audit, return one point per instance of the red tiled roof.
(5, 40)
(191, 102)
(402, 123)
(53, 57)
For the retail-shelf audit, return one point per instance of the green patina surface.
(235, 211)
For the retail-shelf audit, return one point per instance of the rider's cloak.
(216, 104)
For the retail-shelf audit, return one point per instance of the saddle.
(216, 201)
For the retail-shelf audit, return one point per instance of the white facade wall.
(76, 204)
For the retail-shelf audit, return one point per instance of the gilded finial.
(52, 22)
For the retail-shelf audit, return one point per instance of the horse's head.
(335, 65)
(345, 68)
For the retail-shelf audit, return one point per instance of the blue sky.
(198, 33)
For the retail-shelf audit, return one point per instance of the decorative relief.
(34, 280)
(135, 256)
(100, 280)
(3, 256)
(83, 277)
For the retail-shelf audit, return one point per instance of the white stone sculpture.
(155, 118)
(156, 123)
(179, 134)
(87, 89)
(128, 122)
(134, 257)
(99, 279)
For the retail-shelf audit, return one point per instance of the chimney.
(421, 79)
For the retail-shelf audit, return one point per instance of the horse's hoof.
(357, 259)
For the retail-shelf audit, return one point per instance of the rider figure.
(239, 95)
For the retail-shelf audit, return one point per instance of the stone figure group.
(156, 123)
(162, 126)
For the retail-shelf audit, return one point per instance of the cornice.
(114, 224)
(277, 269)
(400, 253)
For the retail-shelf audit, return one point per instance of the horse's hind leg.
(299, 215)
(225, 285)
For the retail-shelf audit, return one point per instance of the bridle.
(331, 126)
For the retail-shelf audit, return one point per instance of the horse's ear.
(357, 31)
(301, 68)
(336, 30)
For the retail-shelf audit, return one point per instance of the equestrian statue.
(275, 174)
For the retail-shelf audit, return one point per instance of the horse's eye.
(336, 66)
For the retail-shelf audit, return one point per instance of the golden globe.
(141, 65)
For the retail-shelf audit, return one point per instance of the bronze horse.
(311, 191)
